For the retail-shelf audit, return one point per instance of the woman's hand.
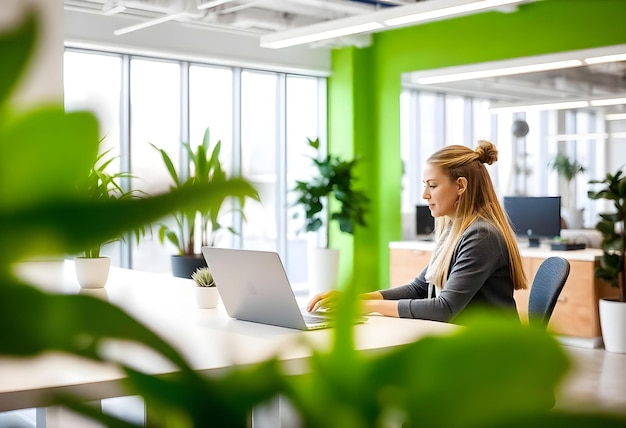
(370, 302)
(326, 300)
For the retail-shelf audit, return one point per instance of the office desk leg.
(61, 417)
(277, 414)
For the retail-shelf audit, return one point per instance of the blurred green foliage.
(491, 373)
(612, 226)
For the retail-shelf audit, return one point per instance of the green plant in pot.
(612, 264)
(92, 268)
(206, 290)
(204, 167)
(329, 195)
(568, 168)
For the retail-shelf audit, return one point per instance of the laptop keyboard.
(308, 318)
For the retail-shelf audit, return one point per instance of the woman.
(476, 261)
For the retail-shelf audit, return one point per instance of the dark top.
(479, 276)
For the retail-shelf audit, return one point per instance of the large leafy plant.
(204, 167)
(612, 226)
(494, 373)
(332, 182)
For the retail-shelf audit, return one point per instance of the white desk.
(208, 338)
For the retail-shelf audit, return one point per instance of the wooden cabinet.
(406, 264)
(576, 312)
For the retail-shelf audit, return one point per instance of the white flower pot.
(207, 297)
(92, 272)
(323, 269)
(613, 324)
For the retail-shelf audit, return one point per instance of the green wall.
(364, 98)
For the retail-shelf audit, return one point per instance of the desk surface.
(208, 338)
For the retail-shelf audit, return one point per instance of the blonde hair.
(478, 201)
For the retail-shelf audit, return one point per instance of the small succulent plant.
(203, 278)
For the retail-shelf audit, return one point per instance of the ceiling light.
(299, 39)
(386, 18)
(443, 11)
(513, 66)
(606, 58)
(495, 72)
(562, 105)
(150, 23)
(212, 3)
(616, 116)
(112, 9)
(607, 102)
(578, 136)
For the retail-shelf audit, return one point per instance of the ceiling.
(250, 16)
(584, 82)
(260, 17)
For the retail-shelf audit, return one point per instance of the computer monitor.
(424, 221)
(534, 217)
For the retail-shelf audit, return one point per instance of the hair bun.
(487, 152)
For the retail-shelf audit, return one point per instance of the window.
(93, 82)
(262, 119)
(431, 120)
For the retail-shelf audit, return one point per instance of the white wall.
(183, 41)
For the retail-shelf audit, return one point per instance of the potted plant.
(92, 268)
(568, 169)
(327, 196)
(611, 268)
(204, 167)
(206, 291)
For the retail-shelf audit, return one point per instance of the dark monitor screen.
(534, 216)
(424, 220)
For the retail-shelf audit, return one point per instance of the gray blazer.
(479, 276)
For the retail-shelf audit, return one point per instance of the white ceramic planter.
(92, 272)
(613, 324)
(207, 297)
(323, 269)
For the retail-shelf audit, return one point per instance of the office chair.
(546, 287)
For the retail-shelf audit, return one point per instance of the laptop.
(254, 287)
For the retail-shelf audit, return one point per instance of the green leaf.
(37, 322)
(440, 381)
(221, 401)
(171, 169)
(52, 143)
(58, 227)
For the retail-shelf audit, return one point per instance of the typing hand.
(323, 301)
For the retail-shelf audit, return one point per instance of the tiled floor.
(597, 381)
